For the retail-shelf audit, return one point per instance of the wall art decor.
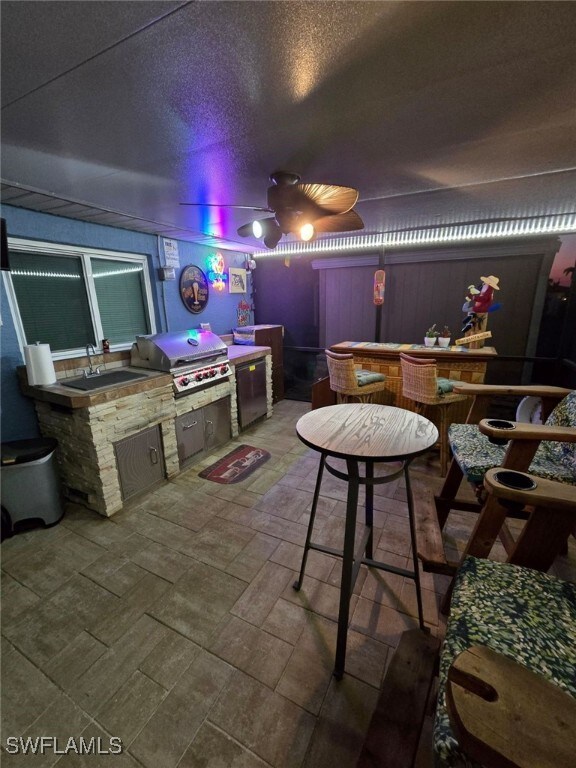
(194, 290)
(237, 280)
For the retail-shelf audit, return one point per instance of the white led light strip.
(111, 273)
(33, 273)
(451, 233)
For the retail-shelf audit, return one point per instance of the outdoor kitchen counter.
(68, 397)
(59, 394)
(238, 354)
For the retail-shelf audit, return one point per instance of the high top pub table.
(366, 434)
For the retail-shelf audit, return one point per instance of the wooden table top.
(367, 431)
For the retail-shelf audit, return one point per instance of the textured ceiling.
(437, 112)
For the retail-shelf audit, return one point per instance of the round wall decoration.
(194, 289)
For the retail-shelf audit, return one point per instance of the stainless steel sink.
(99, 380)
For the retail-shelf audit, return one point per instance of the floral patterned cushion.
(475, 454)
(524, 614)
(563, 454)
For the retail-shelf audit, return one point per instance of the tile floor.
(174, 626)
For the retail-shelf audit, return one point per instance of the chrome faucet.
(91, 371)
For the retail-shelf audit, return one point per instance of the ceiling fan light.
(272, 238)
(257, 229)
(307, 232)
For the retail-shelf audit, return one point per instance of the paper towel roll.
(39, 365)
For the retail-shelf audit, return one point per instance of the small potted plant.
(430, 336)
(444, 337)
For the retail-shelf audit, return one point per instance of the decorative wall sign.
(194, 290)
(237, 281)
(216, 272)
(243, 312)
(473, 338)
(379, 283)
(171, 256)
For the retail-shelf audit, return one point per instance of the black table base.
(351, 560)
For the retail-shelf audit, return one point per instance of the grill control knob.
(212, 372)
(184, 381)
(205, 375)
(198, 377)
(224, 369)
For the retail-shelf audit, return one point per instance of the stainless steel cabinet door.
(251, 388)
(140, 461)
(190, 434)
(203, 429)
(217, 429)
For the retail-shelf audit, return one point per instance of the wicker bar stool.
(349, 383)
(421, 384)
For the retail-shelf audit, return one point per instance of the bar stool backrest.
(419, 379)
(341, 370)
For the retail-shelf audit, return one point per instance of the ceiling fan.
(301, 209)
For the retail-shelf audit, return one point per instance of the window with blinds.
(71, 299)
(119, 290)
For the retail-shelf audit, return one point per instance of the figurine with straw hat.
(484, 300)
(478, 303)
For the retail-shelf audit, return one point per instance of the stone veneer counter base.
(87, 425)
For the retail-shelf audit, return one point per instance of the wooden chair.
(541, 449)
(511, 701)
(350, 383)
(504, 714)
(549, 510)
(421, 384)
(514, 611)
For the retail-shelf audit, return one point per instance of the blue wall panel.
(18, 415)
(221, 310)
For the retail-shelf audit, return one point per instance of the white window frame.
(85, 254)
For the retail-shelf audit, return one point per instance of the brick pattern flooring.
(174, 626)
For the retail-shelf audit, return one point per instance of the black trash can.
(29, 482)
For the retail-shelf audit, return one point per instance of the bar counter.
(457, 363)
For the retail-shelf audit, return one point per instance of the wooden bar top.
(393, 349)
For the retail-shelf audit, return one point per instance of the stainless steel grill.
(195, 358)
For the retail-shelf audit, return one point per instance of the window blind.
(52, 299)
(120, 293)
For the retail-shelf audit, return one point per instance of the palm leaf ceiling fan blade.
(330, 197)
(342, 222)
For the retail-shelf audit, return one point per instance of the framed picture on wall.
(236, 280)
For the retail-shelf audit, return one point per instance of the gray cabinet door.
(217, 430)
(140, 461)
(190, 434)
